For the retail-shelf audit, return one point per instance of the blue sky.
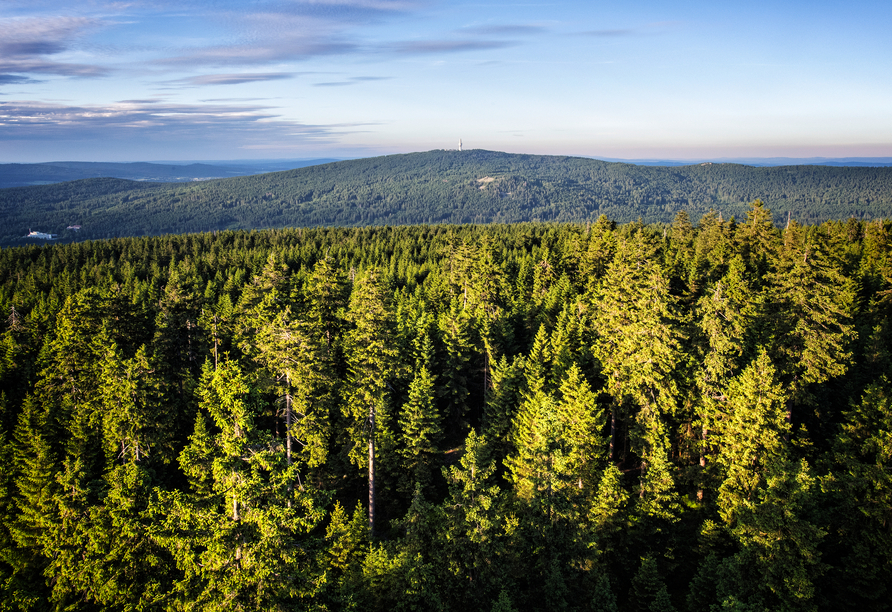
(132, 80)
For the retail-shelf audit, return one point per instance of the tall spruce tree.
(812, 303)
(638, 346)
(246, 546)
(421, 432)
(372, 362)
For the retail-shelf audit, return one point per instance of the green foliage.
(503, 603)
(648, 592)
(245, 545)
(603, 599)
(535, 417)
(421, 429)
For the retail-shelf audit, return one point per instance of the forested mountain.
(443, 187)
(503, 417)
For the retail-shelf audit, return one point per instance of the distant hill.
(25, 175)
(873, 162)
(442, 187)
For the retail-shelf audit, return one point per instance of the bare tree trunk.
(372, 472)
(235, 518)
(485, 371)
(288, 420)
(613, 434)
(189, 340)
(702, 459)
(641, 480)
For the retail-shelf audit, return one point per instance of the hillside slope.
(442, 187)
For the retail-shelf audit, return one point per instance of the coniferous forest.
(546, 417)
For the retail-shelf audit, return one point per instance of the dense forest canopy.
(503, 417)
(443, 187)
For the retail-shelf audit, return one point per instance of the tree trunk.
(613, 434)
(235, 518)
(288, 419)
(641, 480)
(702, 460)
(216, 364)
(372, 472)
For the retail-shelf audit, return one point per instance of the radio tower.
(459, 144)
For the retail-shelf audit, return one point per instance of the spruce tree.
(508, 389)
(247, 546)
(421, 431)
(861, 488)
(603, 599)
(637, 342)
(759, 239)
(455, 330)
(372, 361)
(812, 304)
(648, 592)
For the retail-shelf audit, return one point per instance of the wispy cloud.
(159, 120)
(259, 53)
(611, 33)
(348, 11)
(16, 30)
(231, 79)
(26, 66)
(378, 5)
(26, 45)
(471, 38)
(263, 33)
(505, 30)
(15, 79)
(658, 27)
(301, 31)
(448, 46)
(233, 99)
(351, 81)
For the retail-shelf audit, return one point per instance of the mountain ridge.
(33, 174)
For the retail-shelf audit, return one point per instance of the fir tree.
(372, 360)
(648, 592)
(254, 527)
(603, 599)
(421, 430)
(638, 343)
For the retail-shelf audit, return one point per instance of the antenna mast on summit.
(459, 144)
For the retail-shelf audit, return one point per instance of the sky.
(134, 80)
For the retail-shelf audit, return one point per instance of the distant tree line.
(503, 417)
